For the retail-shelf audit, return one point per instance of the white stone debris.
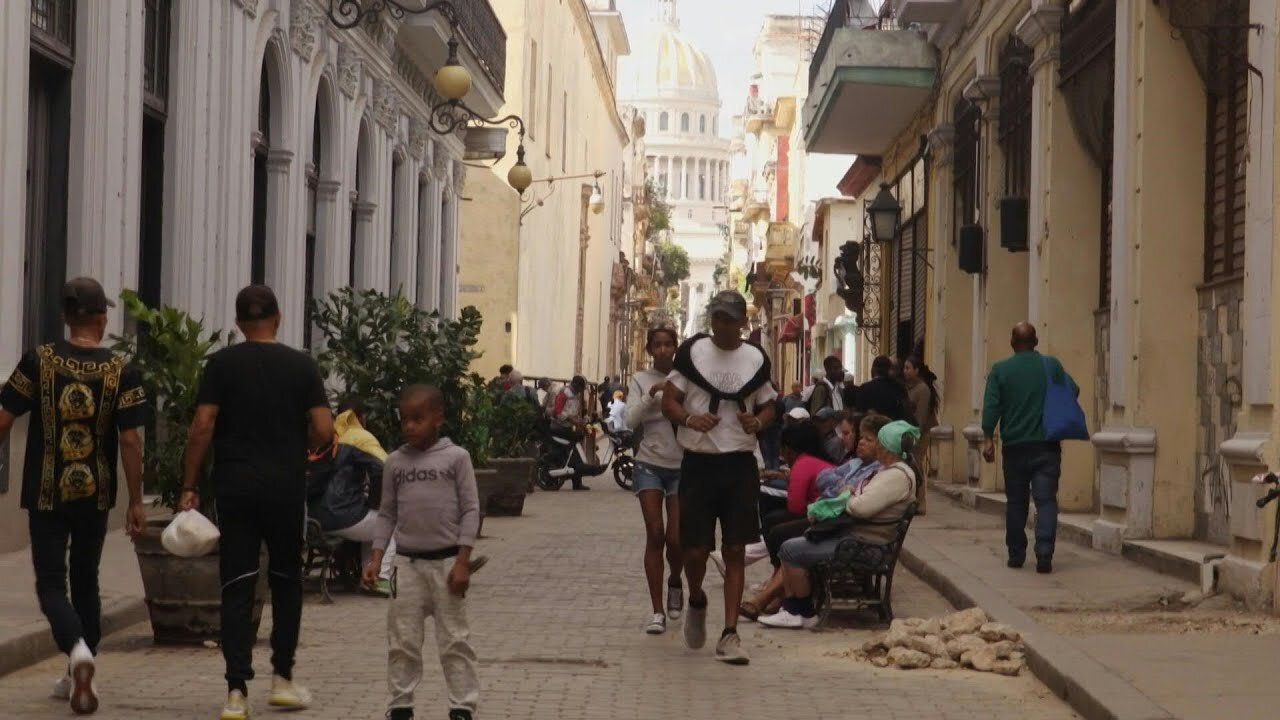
(962, 639)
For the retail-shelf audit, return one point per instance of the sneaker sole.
(84, 701)
(654, 630)
(235, 715)
(734, 659)
(286, 704)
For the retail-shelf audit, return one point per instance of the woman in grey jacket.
(657, 477)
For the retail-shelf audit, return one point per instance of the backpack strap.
(684, 363)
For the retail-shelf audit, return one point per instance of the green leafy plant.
(513, 427)
(168, 351)
(374, 344)
(673, 262)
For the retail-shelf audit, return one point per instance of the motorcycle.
(561, 458)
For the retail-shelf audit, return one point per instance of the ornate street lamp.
(452, 80)
(886, 214)
(597, 199)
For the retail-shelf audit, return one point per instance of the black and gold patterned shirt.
(79, 399)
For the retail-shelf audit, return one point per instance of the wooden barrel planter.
(509, 486)
(184, 595)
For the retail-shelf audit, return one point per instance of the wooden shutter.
(1226, 146)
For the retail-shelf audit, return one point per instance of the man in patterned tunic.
(86, 407)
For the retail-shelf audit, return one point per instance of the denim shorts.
(650, 477)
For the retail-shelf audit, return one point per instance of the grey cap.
(826, 413)
(728, 302)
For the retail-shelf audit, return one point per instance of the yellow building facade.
(1105, 170)
(542, 264)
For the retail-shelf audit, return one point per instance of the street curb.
(1090, 688)
(32, 647)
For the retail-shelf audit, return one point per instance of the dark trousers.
(1031, 473)
(787, 527)
(770, 448)
(84, 526)
(247, 523)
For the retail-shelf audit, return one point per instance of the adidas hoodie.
(429, 499)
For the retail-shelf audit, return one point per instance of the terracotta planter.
(510, 485)
(184, 595)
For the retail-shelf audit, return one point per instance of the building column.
(285, 247)
(105, 164)
(1245, 571)
(671, 178)
(949, 309)
(430, 224)
(404, 275)
(1147, 448)
(449, 263)
(15, 53)
(1063, 269)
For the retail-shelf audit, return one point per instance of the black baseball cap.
(256, 302)
(84, 296)
(728, 302)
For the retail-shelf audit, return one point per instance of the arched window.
(663, 121)
(702, 124)
(684, 122)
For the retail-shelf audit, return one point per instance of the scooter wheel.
(546, 482)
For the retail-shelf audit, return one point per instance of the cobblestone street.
(556, 619)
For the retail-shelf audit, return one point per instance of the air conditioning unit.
(970, 249)
(1013, 224)
(926, 11)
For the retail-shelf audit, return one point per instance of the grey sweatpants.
(422, 591)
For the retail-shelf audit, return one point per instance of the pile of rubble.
(964, 639)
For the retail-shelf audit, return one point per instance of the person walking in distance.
(260, 405)
(720, 397)
(86, 406)
(657, 478)
(1014, 402)
(432, 508)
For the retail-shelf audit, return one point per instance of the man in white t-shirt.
(720, 397)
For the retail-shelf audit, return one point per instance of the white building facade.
(186, 148)
(672, 84)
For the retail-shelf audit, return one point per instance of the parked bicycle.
(560, 458)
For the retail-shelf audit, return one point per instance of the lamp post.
(452, 81)
(886, 214)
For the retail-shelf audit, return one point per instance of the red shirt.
(802, 486)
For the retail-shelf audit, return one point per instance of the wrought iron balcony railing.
(481, 30)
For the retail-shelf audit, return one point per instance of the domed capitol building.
(672, 84)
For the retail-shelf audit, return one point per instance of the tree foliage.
(659, 212)
(673, 261)
(376, 344)
(169, 353)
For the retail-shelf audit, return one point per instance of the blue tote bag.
(1063, 417)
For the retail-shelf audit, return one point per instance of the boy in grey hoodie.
(430, 504)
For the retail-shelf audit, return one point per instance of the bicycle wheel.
(623, 467)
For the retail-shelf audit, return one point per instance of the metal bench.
(860, 575)
(323, 551)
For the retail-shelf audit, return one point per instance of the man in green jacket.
(1015, 401)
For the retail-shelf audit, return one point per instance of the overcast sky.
(725, 30)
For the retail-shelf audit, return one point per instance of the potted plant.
(511, 436)
(375, 344)
(183, 595)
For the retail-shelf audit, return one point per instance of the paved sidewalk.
(556, 619)
(24, 634)
(1118, 640)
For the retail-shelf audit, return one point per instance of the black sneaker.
(1015, 563)
(400, 713)
(1044, 566)
(459, 714)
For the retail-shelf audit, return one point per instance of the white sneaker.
(84, 694)
(784, 619)
(288, 695)
(718, 559)
(657, 624)
(62, 688)
(236, 708)
(730, 651)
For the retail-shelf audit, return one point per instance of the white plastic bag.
(190, 535)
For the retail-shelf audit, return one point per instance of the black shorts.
(723, 487)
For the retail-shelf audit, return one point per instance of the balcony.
(866, 81)
(483, 48)
(757, 113)
(926, 12)
(782, 244)
(756, 207)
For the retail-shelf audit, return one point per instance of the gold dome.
(667, 64)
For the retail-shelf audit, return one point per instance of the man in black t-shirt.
(261, 405)
(85, 403)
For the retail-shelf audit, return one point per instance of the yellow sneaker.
(287, 695)
(237, 707)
